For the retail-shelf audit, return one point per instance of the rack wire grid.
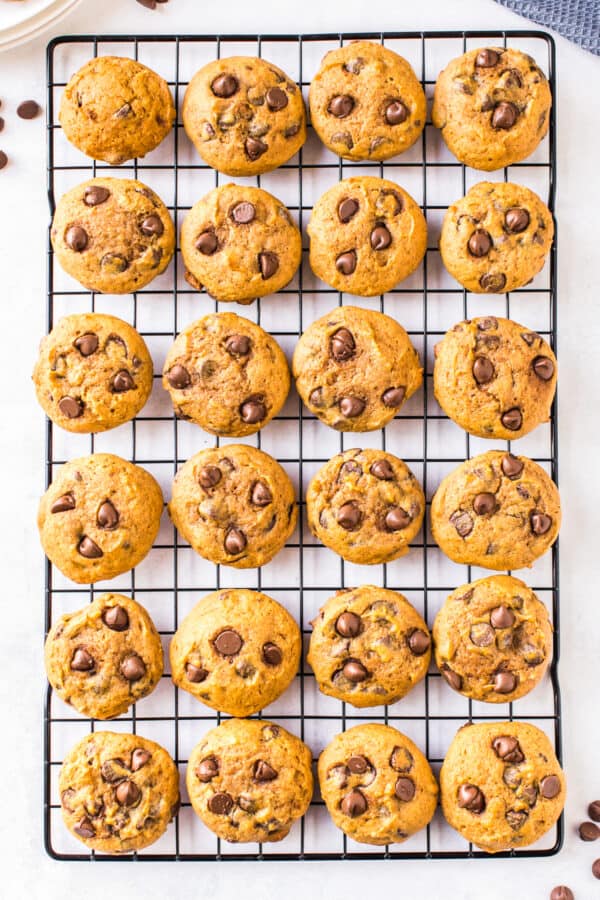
(173, 578)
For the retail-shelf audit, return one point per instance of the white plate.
(22, 20)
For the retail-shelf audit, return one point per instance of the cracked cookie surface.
(103, 658)
(369, 646)
(118, 792)
(365, 505)
(494, 377)
(354, 368)
(377, 785)
(115, 109)
(226, 374)
(244, 115)
(497, 511)
(250, 780)
(493, 107)
(234, 504)
(366, 102)
(501, 785)
(99, 517)
(493, 639)
(113, 235)
(94, 372)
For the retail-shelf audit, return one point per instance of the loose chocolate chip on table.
(84, 828)
(95, 195)
(152, 226)
(3, 159)
(540, 522)
(253, 411)
(596, 868)
(268, 264)
(255, 148)
(594, 810)
(122, 382)
(342, 345)
(87, 344)
(550, 786)
(350, 407)
(243, 212)
(107, 516)
(348, 625)
(263, 771)
(483, 370)
(453, 678)
(340, 106)
(480, 243)
(502, 617)
(354, 671)
(419, 642)
(512, 419)
(471, 798)
(179, 377)
(494, 283)
(588, 831)
(393, 397)
(487, 58)
(481, 634)
(405, 789)
(463, 522)
(354, 804)
(396, 519)
(220, 803)
(543, 367)
(349, 516)
(561, 892)
(516, 219)
(76, 238)
(380, 237)
(82, 661)
(195, 674)
(28, 109)
(347, 209)
(209, 476)
(63, 504)
(238, 345)
(207, 769)
(228, 642)
(504, 682)
(484, 503)
(505, 115)
(511, 466)
(235, 541)
(127, 793)
(133, 667)
(396, 112)
(89, 549)
(116, 618)
(207, 243)
(507, 748)
(70, 407)
(276, 99)
(224, 85)
(382, 469)
(346, 262)
(271, 654)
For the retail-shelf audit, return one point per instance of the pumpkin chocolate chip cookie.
(118, 792)
(113, 235)
(234, 504)
(494, 377)
(369, 646)
(116, 109)
(244, 115)
(366, 235)
(250, 780)
(354, 368)
(496, 238)
(497, 511)
(493, 639)
(502, 787)
(99, 517)
(104, 657)
(492, 106)
(365, 505)
(94, 372)
(226, 374)
(377, 785)
(366, 102)
(240, 243)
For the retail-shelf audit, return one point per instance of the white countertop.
(26, 872)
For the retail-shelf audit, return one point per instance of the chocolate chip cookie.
(104, 657)
(501, 785)
(366, 102)
(494, 377)
(492, 106)
(113, 235)
(116, 109)
(496, 238)
(354, 368)
(240, 243)
(366, 235)
(235, 505)
(99, 517)
(226, 374)
(249, 780)
(497, 511)
(94, 372)
(369, 646)
(493, 639)
(236, 651)
(377, 785)
(365, 505)
(244, 115)
(118, 792)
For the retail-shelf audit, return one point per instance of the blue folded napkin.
(577, 20)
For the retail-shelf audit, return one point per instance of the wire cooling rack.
(173, 578)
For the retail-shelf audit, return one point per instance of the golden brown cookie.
(113, 235)
(240, 243)
(249, 780)
(226, 374)
(118, 792)
(494, 377)
(496, 238)
(377, 785)
(116, 109)
(492, 106)
(366, 235)
(366, 102)
(234, 504)
(354, 368)
(244, 115)
(365, 505)
(493, 639)
(501, 785)
(497, 511)
(104, 657)
(236, 651)
(94, 372)
(99, 517)
(369, 646)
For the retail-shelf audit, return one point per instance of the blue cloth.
(577, 20)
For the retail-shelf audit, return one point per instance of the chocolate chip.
(453, 678)
(235, 541)
(342, 345)
(382, 469)
(512, 419)
(401, 759)
(263, 771)
(243, 212)
(502, 617)
(463, 522)
(207, 243)
(505, 682)
(508, 749)
(107, 516)
(419, 642)
(276, 99)
(594, 810)
(484, 503)
(195, 674)
(255, 148)
(487, 58)
(540, 522)
(588, 831)
(260, 494)
(562, 892)
(358, 765)
(3, 159)
(397, 519)
(350, 407)
(123, 111)
(112, 770)
(347, 208)
(116, 618)
(393, 397)
(28, 109)
(70, 407)
(152, 226)
(291, 130)
(349, 516)
(354, 804)
(483, 370)
(488, 323)
(471, 798)
(595, 871)
(82, 661)
(209, 476)
(493, 283)
(253, 411)
(405, 789)
(63, 504)
(133, 667)
(89, 549)
(76, 238)
(348, 625)
(380, 237)
(516, 220)
(550, 787)
(127, 793)
(84, 828)
(346, 262)
(482, 635)
(207, 769)
(224, 85)
(516, 818)
(340, 106)
(268, 264)
(512, 466)
(271, 654)
(316, 398)
(238, 345)
(354, 671)
(87, 344)
(543, 368)
(480, 243)
(396, 112)
(116, 262)
(228, 642)
(95, 195)
(505, 115)
(122, 382)
(220, 804)
(179, 377)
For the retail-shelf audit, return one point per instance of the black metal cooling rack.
(433, 709)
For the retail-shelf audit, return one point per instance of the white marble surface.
(26, 872)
